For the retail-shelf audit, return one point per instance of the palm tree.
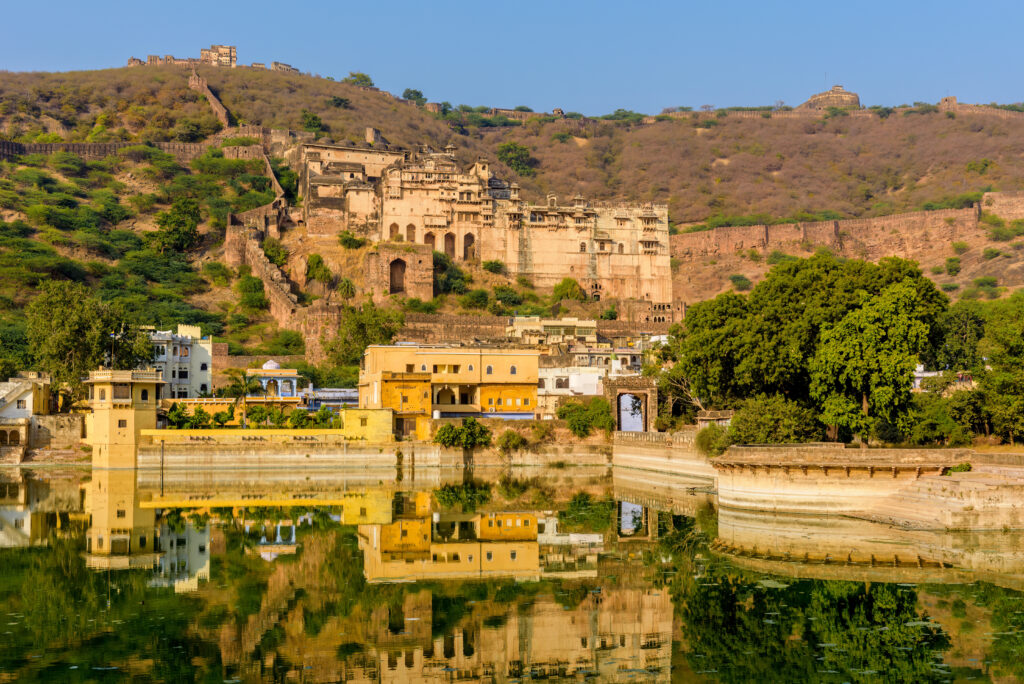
(241, 386)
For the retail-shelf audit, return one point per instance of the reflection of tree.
(877, 632)
(85, 619)
(807, 631)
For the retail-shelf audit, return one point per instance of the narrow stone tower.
(124, 403)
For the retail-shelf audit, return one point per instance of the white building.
(186, 558)
(185, 361)
(554, 384)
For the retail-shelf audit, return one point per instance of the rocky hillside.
(721, 167)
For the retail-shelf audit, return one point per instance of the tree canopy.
(71, 332)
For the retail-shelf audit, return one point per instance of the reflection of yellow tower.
(122, 534)
(123, 404)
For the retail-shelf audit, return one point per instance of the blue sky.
(590, 57)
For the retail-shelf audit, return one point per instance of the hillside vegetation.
(725, 168)
(135, 229)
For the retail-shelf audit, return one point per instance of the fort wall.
(1005, 205)
(198, 83)
(806, 114)
(183, 152)
(866, 238)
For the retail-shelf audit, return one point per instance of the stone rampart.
(440, 328)
(198, 83)
(809, 113)
(866, 237)
(1005, 205)
(93, 151)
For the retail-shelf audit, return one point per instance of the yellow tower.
(123, 402)
(122, 534)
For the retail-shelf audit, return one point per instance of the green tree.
(963, 326)
(349, 241)
(712, 440)
(470, 434)
(358, 78)
(1003, 384)
(510, 441)
(241, 386)
(311, 122)
(275, 251)
(361, 327)
(864, 367)
(448, 278)
(495, 266)
(414, 95)
(583, 418)
(317, 270)
(474, 299)
(346, 289)
(178, 227)
(71, 332)
(773, 420)
(299, 419)
(569, 288)
(517, 157)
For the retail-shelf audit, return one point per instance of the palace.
(614, 250)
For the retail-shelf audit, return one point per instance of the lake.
(436, 575)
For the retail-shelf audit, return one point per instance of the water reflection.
(454, 575)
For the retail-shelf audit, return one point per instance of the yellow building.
(124, 403)
(507, 526)
(423, 381)
(122, 534)
(370, 425)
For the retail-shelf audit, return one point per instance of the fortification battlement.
(834, 234)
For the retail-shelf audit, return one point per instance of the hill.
(834, 168)
(705, 167)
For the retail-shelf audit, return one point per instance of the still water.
(579, 574)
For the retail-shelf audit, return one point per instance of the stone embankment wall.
(868, 238)
(289, 456)
(673, 453)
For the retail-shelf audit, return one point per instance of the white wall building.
(186, 558)
(554, 384)
(185, 360)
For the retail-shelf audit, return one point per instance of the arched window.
(583, 247)
(103, 395)
(620, 248)
(144, 395)
(490, 370)
(540, 384)
(470, 367)
(512, 370)
(203, 366)
(393, 233)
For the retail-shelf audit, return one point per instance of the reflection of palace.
(616, 635)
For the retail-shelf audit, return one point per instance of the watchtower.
(124, 403)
